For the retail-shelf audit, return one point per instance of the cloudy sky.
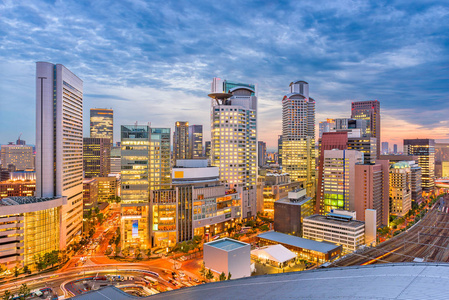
(153, 61)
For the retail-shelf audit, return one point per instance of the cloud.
(153, 61)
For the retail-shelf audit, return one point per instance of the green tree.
(222, 276)
(203, 270)
(96, 210)
(26, 270)
(16, 271)
(229, 276)
(100, 218)
(24, 291)
(148, 253)
(137, 253)
(209, 275)
(7, 295)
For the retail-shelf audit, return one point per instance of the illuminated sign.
(135, 229)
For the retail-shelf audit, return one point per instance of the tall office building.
(339, 178)
(400, 188)
(234, 138)
(207, 147)
(329, 141)
(395, 148)
(18, 156)
(326, 126)
(372, 191)
(298, 135)
(366, 145)
(59, 143)
(280, 150)
(425, 150)
(370, 111)
(115, 161)
(261, 153)
(102, 123)
(96, 157)
(181, 141)
(135, 156)
(160, 177)
(385, 149)
(196, 141)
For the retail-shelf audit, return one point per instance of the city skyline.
(161, 60)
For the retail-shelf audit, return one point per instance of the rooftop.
(321, 218)
(24, 200)
(412, 281)
(227, 244)
(323, 247)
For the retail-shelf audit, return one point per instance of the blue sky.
(153, 61)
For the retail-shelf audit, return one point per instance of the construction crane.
(18, 139)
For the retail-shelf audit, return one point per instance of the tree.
(137, 253)
(100, 218)
(24, 291)
(209, 275)
(97, 210)
(222, 276)
(148, 253)
(7, 295)
(125, 251)
(16, 271)
(203, 270)
(26, 270)
(229, 276)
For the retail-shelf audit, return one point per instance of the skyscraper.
(385, 149)
(298, 135)
(395, 148)
(96, 157)
(207, 147)
(196, 141)
(234, 138)
(370, 111)
(261, 153)
(400, 188)
(326, 126)
(59, 143)
(425, 150)
(135, 156)
(102, 123)
(181, 141)
(280, 150)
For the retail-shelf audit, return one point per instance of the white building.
(59, 143)
(298, 135)
(234, 138)
(335, 228)
(339, 178)
(228, 256)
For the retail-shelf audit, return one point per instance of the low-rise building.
(307, 249)
(30, 227)
(275, 187)
(17, 188)
(107, 188)
(290, 211)
(339, 228)
(198, 203)
(228, 256)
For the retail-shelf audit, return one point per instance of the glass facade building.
(102, 123)
(196, 141)
(96, 157)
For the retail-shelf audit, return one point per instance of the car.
(196, 280)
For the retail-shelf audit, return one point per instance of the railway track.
(427, 240)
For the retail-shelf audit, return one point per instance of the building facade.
(102, 124)
(339, 177)
(370, 111)
(96, 157)
(234, 139)
(181, 143)
(30, 227)
(372, 191)
(196, 141)
(18, 156)
(298, 135)
(90, 194)
(17, 188)
(335, 228)
(135, 156)
(261, 153)
(59, 143)
(400, 188)
(290, 211)
(425, 150)
(276, 186)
